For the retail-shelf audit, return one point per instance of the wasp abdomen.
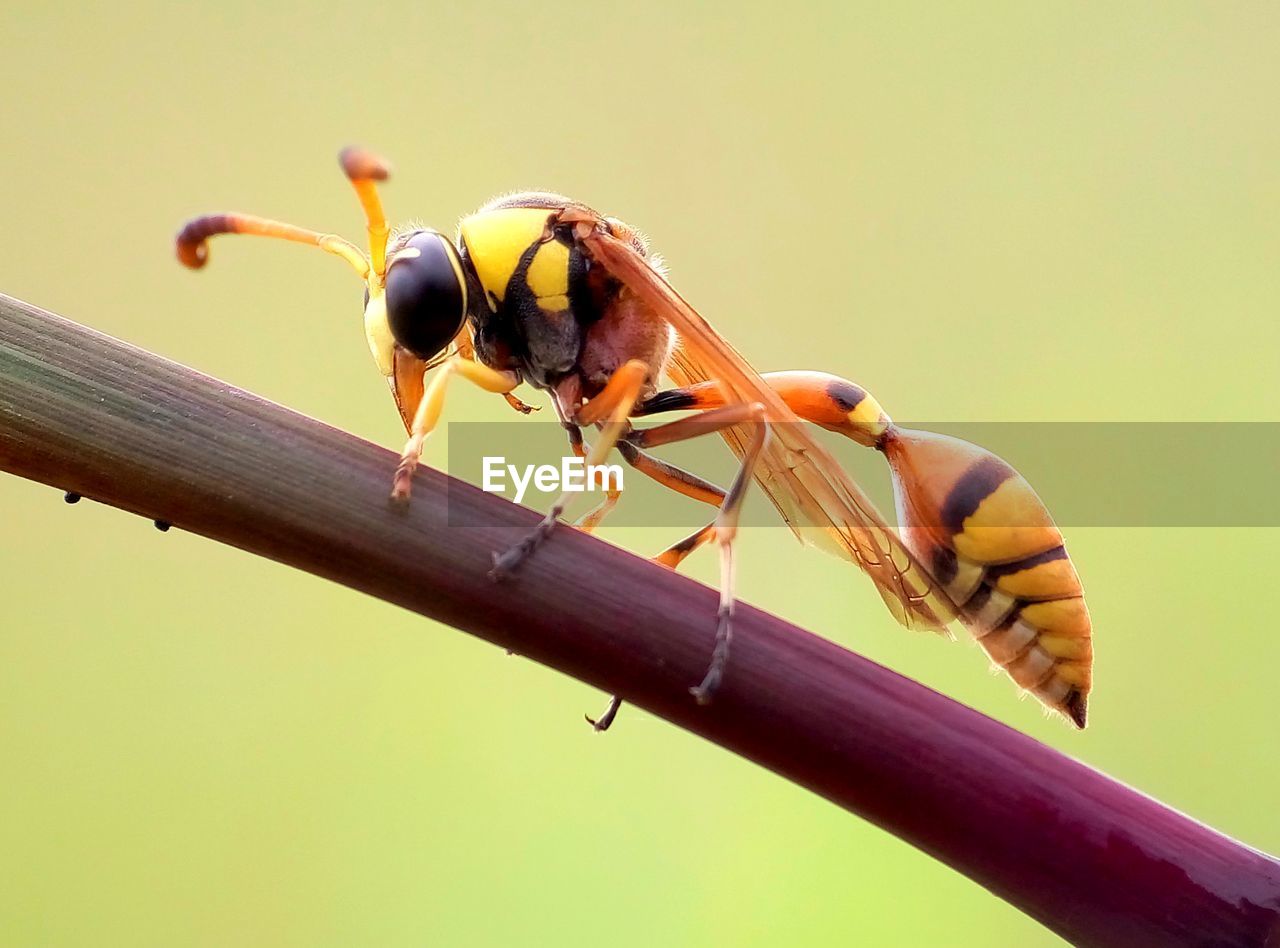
(998, 554)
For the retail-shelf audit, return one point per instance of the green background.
(1012, 212)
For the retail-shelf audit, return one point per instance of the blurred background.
(1009, 212)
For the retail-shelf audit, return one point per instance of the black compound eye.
(426, 294)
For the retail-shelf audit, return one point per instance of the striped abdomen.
(991, 543)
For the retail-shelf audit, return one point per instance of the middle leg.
(725, 527)
(612, 407)
(684, 483)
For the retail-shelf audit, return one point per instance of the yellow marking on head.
(378, 332)
(496, 240)
(554, 304)
(408, 253)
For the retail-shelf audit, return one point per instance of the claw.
(402, 484)
(519, 405)
(502, 566)
(606, 719)
(507, 562)
(704, 692)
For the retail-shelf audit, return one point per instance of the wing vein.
(817, 498)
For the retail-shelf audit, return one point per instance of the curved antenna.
(193, 250)
(364, 170)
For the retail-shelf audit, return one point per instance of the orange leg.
(951, 514)
(826, 400)
(611, 408)
(684, 483)
(671, 557)
(518, 405)
(675, 554)
(670, 476)
(430, 407)
(724, 529)
(594, 517)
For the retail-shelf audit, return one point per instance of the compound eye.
(426, 294)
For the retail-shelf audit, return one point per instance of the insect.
(543, 290)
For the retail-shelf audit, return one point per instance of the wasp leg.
(677, 553)
(467, 350)
(614, 403)
(602, 723)
(617, 401)
(594, 517)
(671, 557)
(725, 526)
(1042, 612)
(668, 475)
(430, 407)
(518, 405)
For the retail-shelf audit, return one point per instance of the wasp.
(537, 288)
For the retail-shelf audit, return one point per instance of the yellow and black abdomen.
(535, 304)
(989, 540)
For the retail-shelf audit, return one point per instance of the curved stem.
(1092, 859)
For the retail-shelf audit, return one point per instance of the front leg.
(431, 405)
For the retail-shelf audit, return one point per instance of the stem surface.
(1092, 859)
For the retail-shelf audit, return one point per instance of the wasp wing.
(818, 500)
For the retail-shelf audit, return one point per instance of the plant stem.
(1090, 858)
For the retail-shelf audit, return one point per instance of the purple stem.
(1095, 861)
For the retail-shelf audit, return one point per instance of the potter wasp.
(539, 289)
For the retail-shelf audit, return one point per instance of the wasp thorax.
(426, 294)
